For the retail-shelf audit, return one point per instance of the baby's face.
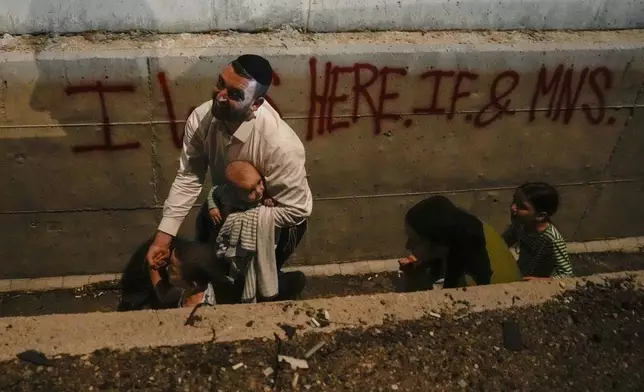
(251, 188)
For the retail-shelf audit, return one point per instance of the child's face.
(422, 249)
(251, 189)
(521, 209)
(174, 272)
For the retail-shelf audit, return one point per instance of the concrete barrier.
(91, 133)
(168, 16)
(78, 334)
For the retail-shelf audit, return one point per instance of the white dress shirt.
(267, 141)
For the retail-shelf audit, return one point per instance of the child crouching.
(543, 253)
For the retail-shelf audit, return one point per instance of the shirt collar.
(243, 132)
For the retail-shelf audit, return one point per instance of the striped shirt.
(541, 254)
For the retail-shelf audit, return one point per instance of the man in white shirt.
(239, 124)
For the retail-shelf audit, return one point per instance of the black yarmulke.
(258, 67)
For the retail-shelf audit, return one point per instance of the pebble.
(476, 366)
(431, 333)
(394, 387)
(462, 383)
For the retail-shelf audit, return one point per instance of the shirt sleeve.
(510, 235)
(214, 197)
(289, 186)
(193, 166)
(563, 266)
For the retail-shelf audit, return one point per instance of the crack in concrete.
(153, 139)
(3, 107)
(605, 172)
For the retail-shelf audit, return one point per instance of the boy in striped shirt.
(542, 249)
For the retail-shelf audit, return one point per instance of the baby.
(542, 249)
(245, 190)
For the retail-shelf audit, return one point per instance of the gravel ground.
(104, 297)
(589, 339)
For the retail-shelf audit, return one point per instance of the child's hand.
(215, 215)
(268, 202)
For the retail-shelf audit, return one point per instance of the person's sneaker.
(291, 285)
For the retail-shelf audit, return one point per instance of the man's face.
(233, 96)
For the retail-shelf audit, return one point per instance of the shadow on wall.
(83, 190)
(80, 96)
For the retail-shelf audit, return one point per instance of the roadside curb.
(618, 245)
(78, 334)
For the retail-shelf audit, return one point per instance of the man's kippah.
(257, 67)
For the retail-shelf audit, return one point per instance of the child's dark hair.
(197, 262)
(543, 197)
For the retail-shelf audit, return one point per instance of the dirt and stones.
(589, 339)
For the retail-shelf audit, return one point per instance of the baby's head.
(245, 178)
(534, 202)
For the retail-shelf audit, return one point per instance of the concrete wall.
(170, 16)
(89, 141)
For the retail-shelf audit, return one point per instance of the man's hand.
(159, 251)
(215, 215)
(268, 202)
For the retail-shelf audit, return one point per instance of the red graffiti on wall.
(495, 100)
(556, 95)
(564, 93)
(328, 98)
(176, 131)
(108, 144)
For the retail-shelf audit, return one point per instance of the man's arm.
(193, 166)
(286, 174)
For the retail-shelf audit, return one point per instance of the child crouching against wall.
(543, 253)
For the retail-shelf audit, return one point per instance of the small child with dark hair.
(186, 280)
(543, 253)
